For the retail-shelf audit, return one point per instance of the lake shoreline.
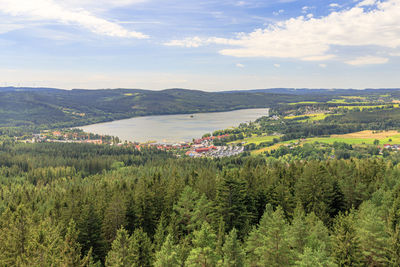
(174, 128)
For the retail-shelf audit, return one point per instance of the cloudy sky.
(211, 45)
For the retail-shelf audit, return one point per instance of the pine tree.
(393, 228)
(203, 252)
(346, 245)
(14, 235)
(230, 203)
(44, 245)
(372, 235)
(184, 212)
(90, 236)
(114, 219)
(168, 255)
(141, 249)
(268, 245)
(201, 213)
(298, 230)
(233, 253)
(121, 253)
(161, 233)
(314, 258)
(71, 249)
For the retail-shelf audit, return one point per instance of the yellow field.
(363, 137)
(312, 117)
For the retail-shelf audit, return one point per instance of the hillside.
(49, 107)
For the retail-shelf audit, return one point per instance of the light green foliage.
(204, 245)
(314, 258)
(372, 234)
(269, 244)
(135, 250)
(121, 253)
(233, 253)
(168, 255)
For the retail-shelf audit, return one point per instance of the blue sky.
(209, 45)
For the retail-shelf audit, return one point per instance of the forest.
(304, 202)
(35, 109)
(96, 205)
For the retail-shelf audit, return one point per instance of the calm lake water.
(174, 128)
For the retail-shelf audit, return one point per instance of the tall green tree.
(71, 254)
(230, 202)
(233, 253)
(168, 256)
(121, 253)
(141, 249)
(204, 248)
(374, 239)
(346, 244)
(269, 244)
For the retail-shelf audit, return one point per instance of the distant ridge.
(54, 108)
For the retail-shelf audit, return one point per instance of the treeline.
(352, 121)
(147, 208)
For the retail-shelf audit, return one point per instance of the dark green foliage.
(53, 210)
(346, 244)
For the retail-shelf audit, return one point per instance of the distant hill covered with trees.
(52, 108)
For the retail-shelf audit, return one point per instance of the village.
(202, 147)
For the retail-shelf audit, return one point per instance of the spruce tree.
(204, 245)
(374, 240)
(121, 253)
(230, 203)
(141, 249)
(233, 253)
(71, 249)
(168, 255)
(314, 258)
(269, 244)
(346, 245)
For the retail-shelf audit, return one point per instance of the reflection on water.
(174, 128)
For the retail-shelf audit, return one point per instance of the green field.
(358, 138)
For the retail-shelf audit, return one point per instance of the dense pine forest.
(92, 205)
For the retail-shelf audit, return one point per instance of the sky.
(210, 45)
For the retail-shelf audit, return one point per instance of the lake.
(174, 128)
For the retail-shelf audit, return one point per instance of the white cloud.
(334, 5)
(277, 13)
(322, 65)
(367, 60)
(239, 65)
(68, 14)
(312, 38)
(277, 65)
(367, 3)
(188, 42)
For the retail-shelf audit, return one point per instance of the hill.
(51, 107)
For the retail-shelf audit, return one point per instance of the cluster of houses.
(202, 147)
(393, 147)
(65, 137)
